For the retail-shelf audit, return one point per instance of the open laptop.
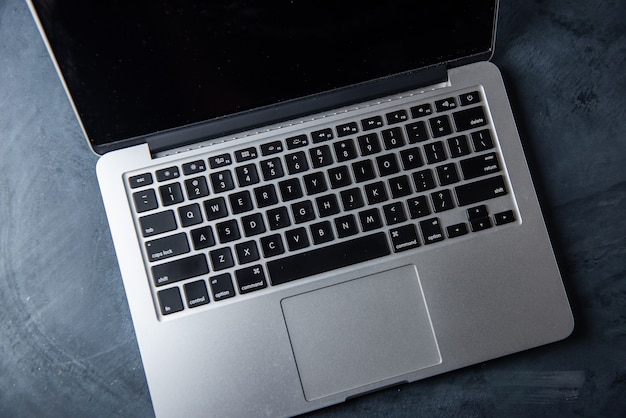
(308, 202)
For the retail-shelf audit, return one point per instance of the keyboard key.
(327, 205)
(246, 154)
(202, 238)
(345, 129)
(221, 160)
(315, 183)
(442, 200)
(421, 111)
(194, 167)
(345, 150)
(322, 135)
(227, 231)
(296, 239)
(404, 238)
(418, 207)
(416, 132)
(458, 146)
(278, 218)
(297, 141)
(250, 279)
(178, 270)
(394, 213)
(504, 217)
(469, 98)
(332, 257)
(376, 193)
(303, 211)
(157, 223)
(171, 194)
(481, 224)
(435, 152)
(222, 287)
(189, 215)
(241, 202)
(445, 104)
(322, 232)
(290, 189)
(247, 175)
(447, 174)
(247, 252)
(477, 212)
(400, 186)
(339, 177)
(396, 117)
(372, 123)
(272, 169)
(253, 224)
(387, 164)
(457, 230)
(222, 181)
(166, 174)
(393, 138)
(265, 195)
(480, 166)
(170, 301)
(196, 294)
(473, 117)
(296, 162)
(370, 219)
(440, 126)
(270, 148)
(221, 259)
(482, 140)
(215, 208)
(166, 247)
(351, 199)
(424, 180)
(272, 245)
(346, 226)
(196, 188)
(369, 144)
(140, 180)
(411, 158)
(363, 171)
(469, 194)
(431, 231)
(321, 156)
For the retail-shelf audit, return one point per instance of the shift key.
(478, 191)
(166, 247)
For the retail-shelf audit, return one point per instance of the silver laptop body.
(404, 298)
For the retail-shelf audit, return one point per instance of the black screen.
(134, 68)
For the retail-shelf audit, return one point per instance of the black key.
(327, 205)
(400, 186)
(393, 138)
(250, 279)
(445, 104)
(396, 117)
(170, 301)
(458, 146)
(246, 154)
(456, 230)
(222, 181)
(418, 207)
(190, 215)
(351, 199)
(477, 212)
(339, 177)
(215, 208)
(424, 180)
(345, 150)
(194, 167)
(221, 160)
(504, 217)
(253, 224)
(470, 98)
(140, 180)
(297, 141)
(369, 144)
(442, 200)
(157, 223)
(271, 148)
(363, 171)
(482, 140)
(178, 270)
(171, 194)
(247, 175)
(447, 174)
(372, 123)
(296, 162)
(222, 287)
(322, 232)
(265, 195)
(321, 156)
(278, 218)
(421, 110)
(416, 132)
(411, 158)
(468, 194)
(481, 224)
(303, 211)
(272, 168)
(196, 294)
(345, 129)
(394, 213)
(296, 239)
(315, 183)
(471, 118)
(322, 135)
(431, 231)
(404, 238)
(290, 189)
(202, 238)
(370, 219)
(272, 245)
(196, 188)
(247, 252)
(166, 247)
(241, 202)
(346, 226)
(227, 231)
(435, 152)
(387, 164)
(328, 258)
(221, 258)
(375, 193)
(166, 174)
(440, 126)
(480, 166)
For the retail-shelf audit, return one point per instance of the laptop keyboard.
(273, 211)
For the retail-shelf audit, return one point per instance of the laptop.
(308, 201)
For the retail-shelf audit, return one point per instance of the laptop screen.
(135, 68)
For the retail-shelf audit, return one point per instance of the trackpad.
(360, 332)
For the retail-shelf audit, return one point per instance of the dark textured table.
(67, 346)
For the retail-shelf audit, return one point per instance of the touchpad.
(360, 332)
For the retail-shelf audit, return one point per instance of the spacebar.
(328, 258)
